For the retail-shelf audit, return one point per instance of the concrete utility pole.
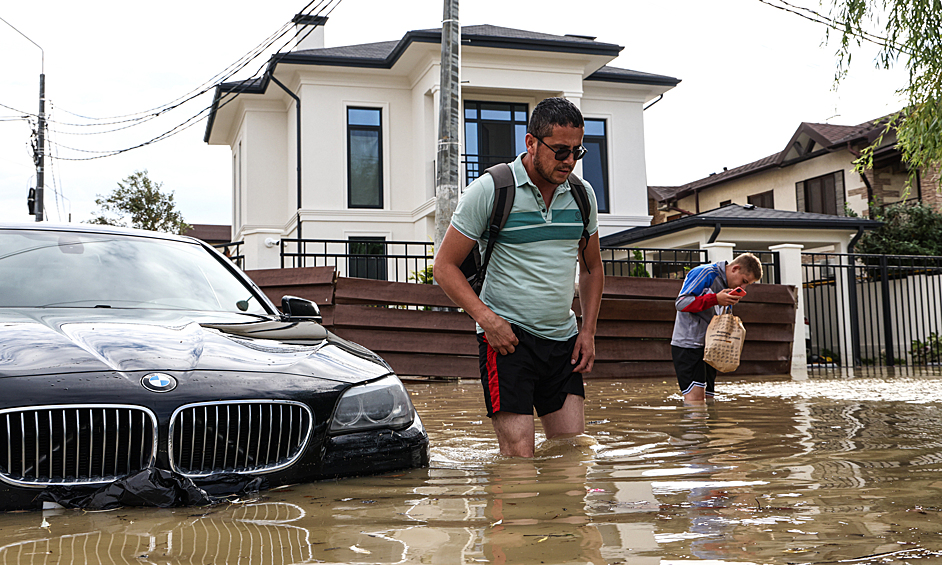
(39, 156)
(446, 180)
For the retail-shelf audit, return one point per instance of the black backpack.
(473, 267)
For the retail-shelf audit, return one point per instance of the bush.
(908, 229)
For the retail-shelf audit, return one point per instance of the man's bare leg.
(568, 420)
(514, 433)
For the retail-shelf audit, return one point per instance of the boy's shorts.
(692, 370)
(539, 373)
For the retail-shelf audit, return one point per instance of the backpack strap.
(582, 201)
(503, 202)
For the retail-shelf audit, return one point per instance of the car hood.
(68, 340)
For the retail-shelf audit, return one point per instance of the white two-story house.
(340, 143)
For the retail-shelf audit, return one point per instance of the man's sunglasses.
(578, 152)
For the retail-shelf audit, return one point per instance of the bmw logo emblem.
(159, 382)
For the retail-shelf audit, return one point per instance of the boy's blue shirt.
(690, 327)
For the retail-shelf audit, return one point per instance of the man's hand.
(724, 298)
(499, 334)
(452, 251)
(583, 354)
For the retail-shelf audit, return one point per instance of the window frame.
(837, 189)
(474, 164)
(602, 141)
(378, 129)
(770, 194)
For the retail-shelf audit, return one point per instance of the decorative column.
(789, 256)
(719, 251)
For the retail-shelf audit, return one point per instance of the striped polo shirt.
(532, 271)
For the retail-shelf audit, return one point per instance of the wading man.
(532, 353)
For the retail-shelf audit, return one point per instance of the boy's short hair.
(749, 263)
(552, 112)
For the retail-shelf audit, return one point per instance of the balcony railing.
(411, 261)
(232, 250)
(397, 261)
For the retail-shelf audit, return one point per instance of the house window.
(367, 258)
(725, 203)
(762, 200)
(494, 132)
(822, 195)
(595, 162)
(364, 158)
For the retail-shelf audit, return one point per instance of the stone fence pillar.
(719, 251)
(789, 256)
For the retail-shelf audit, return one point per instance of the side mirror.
(300, 310)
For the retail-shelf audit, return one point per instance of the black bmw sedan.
(124, 350)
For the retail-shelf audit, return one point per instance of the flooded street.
(775, 471)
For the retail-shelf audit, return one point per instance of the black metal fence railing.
(871, 311)
(396, 261)
(771, 269)
(651, 262)
(411, 261)
(232, 250)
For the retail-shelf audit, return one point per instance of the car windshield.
(64, 269)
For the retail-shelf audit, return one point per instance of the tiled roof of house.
(384, 54)
(211, 233)
(835, 136)
(615, 74)
(379, 50)
(660, 193)
(735, 215)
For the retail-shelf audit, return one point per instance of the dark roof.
(830, 137)
(383, 55)
(211, 233)
(386, 53)
(748, 216)
(754, 167)
(660, 193)
(615, 74)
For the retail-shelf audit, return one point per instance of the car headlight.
(379, 404)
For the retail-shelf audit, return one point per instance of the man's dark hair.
(551, 112)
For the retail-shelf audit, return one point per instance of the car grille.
(75, 444)
(251, 436)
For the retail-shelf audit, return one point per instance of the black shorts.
(537, 374)
(692, 370)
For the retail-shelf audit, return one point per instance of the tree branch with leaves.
(140, 198)
(911, 31)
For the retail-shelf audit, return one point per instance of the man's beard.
(546, 169)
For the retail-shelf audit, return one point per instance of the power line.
(209, 84)
(203, 113)
(138, 118)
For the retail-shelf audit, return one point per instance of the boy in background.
(707, 290)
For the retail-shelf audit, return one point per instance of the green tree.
(140, 198)
(908, 229)
(910, 30)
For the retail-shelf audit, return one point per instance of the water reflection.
(772, 472)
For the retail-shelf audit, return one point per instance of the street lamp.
(39, 150)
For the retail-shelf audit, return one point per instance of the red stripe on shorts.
(492, 385)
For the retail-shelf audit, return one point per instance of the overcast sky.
(750, 75)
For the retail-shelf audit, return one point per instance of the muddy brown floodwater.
(775, 471)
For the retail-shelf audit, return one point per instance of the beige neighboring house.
(814, 173)
(340, 143)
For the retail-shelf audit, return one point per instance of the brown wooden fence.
(633, 339)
